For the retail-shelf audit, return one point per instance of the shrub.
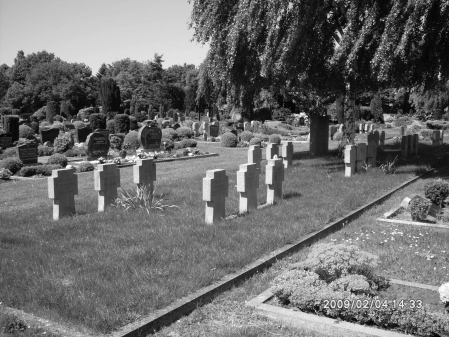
(414, 128)
(425, 134)
(274, 138)
(192, 114)
(75, 152)
(338, 136)
(61, 144)
(40, 114)
(189, 124)
(86, 166)
(97, 121)
(122, 123)
(246, 136)
(437, 191)
(58, 118)
(59, 159)
(437, 114)
(177, 146)
(185, 132)
(169, 133)
(376, 108)
(131, 140)
(228, 139)
(78, 124)
(281, 114)
(25, 131)
(45, 150)
(110, 126)
(419, 208)
(44, 170)
(169, 144)
(255, 141)
(10, 152)
(437, 125)
(85, 113)
(35, 127)
(402, 121)
(12, 164)
(11, 126)
(57, 125)
(133, 125)
(52, 110)
(188, 143)
(116, 142)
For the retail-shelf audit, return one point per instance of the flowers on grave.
(117, 161)
(444, 293)
(5, 173)
(101, 160)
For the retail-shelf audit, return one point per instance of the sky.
(99, 31)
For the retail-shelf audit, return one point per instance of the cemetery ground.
(101, 271)
(407, 253)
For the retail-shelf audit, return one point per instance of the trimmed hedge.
(110, 125)
(276, 139)
(122, 123)
(58, 158)
(52, 110)
(188, 143)
(45, 150)
(131, 140)
(12, 163)
(86, 166)
(255, 141)
(45, 170)
(246, 136)
(133, 125)
(437, 125)
(228, 139)
(185, 132)
(97, 121)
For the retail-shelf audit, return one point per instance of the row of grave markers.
(216, 182)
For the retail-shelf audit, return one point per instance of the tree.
(110, 96)
(376, 108)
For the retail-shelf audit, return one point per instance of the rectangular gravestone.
(145, 173)
(415, 140)
(361, 127)
(247, 126)
(5, 141)
(255, 155)
(319, 135)
(82, 133)
(97, 145)
(376, 137)
(149, 138)
(49, 135)
(271, 151)
(206, 128)
(247, 185)
(434, 210)
(215, 191)
(361, 156)
(107, 180)
(214, 130)
(370, 137)
(239, 127)
(404, 146)
(274, 177)
(401, 131)
(411, 145)
(371, 154)
(441, 137)
(196, 129)
(435, 137)
(350, 160)
(28, 153)
(62, 188)
(382, 138)
(287, 153)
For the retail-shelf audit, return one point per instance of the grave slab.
(215, 191)
(62, 188)
(273, 179)
(107, 180)
(247, 185)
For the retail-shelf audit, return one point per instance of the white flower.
(444, 292)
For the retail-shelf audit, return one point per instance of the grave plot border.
(388, 215)
(166, 160)
(316, 322)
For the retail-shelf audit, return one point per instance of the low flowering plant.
(444, 293)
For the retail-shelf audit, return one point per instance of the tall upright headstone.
(149, 138)
(371, 154)
(415, 139)
(435, 137)
(62, 188)
(215, 191)
(206, 128)
(404, 146)
(271, 151)
(29, 152)
(376, 137)
(350, 160)
(401, 131)
(145, 173)
(361, 127)
(441, 137)
(287, 153)
(255, 155)
(49, 135)
(82, 133)
(247, 126)
(247, 185)
(411, 145)
(196, 129)
(107, 180)
(319, 135)
(274, 177)
(97, 145)
(382, 138)
(361, 156)
(367, 128)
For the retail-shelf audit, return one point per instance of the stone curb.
(184, 306)
(413, 223)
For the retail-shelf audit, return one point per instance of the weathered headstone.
(441, 137)
(62, 188)
(382, 138)
(350, 160)
(149, 138)
(361, 156)
(255, 155)
(367, 128)
(196, 128)
(215, 191)
(49, 135)
(404, 146)
(206, 128)
(371, 154)
(5, 141)
(302, 121)
(376, 137)
(96, 145)
(435, 137)
(145, 173)
(319, 135)
(247, 126)
(370, 137)
(287, 153)
(247, 185)
(239, 127)
(273, 179)
(82, 133)
(107, 180)
(411, 144)
(401, 131)
(28, 153)
(271, 151)
(415, 139)
(214, 130)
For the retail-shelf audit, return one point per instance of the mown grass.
(102, 271)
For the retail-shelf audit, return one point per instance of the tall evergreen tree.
(110, 96)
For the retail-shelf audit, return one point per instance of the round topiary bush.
(78, 124)
(45, 150)
(437, 191)
(228, 139)
(97, 121)
(133, 124)
(246, 136)
(188, 143)
(58, 118)
(169, 133)
(275, 139)
(338, 136)
(62, 143)
(58, 159)
(131, 140)
(110, 126)
(86, 166)
(25, 131)
(185, 132)
(177, 146)
(255, 141)
(419, 208)
(12, 164)
(122, 123)
(116, 142)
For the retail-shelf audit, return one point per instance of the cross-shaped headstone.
(247, 126)
(382, 138)
(350, 160)
(215, 190)
(271, 151)
(247, 185)
(196, 128)
(361, 156)
(145, 173)
(367, 128)
(404, 146)
(361, 127)
(371, 154)
(62, 188)
(107, 180)
(255, 155)
(377, 137)
(273, 179)
(287, 153)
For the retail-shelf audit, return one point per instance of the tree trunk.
(349, 105)
(339, 109)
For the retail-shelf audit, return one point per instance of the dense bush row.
(44, 170)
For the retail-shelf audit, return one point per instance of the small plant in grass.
(5, 174)
(419, 208)
(437, 191)
(11, 324)
(390, 166)
(142, 198)
(58, 158)
(366, 167)
(275, 139)
(86, 166)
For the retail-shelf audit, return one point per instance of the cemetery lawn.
(102, 271)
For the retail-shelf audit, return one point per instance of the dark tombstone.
(35, 127)
(176, 126)
(5, 140)
(301, 121)
(214, 130)
(49, 135)
(97, 145)
(105, 132)
(28, 153)
(68, 126)
(239, 127)
(149, 138)
(82, 133)
(234, 132)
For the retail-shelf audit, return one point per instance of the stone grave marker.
(367, 128)
(350, 160)
(234, 132)
(361, 127)
(333, 130)
(62, 188)
(361, 156)
(49, 135)
(273, 179)
(239, 127)
(415, 140)
(214, 130)
(196, 128)
(247, 126)
(376, 137)
(401, 131)
(215, 191)
(247, 185)
(255, 155)
(5, 141)
(287, 153)
(107, 180)
(82, 133)
(371, 154)
(370, 138)
(404, 146)
(28, 153)
(271, 151)
(145, 173)
(434, 210)
(149, 138)
(96, 145)
(302, 121)
(441, 137)
(411, 144)
(382, 138)
(205, 127)
(160, 121)
(435, 138)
